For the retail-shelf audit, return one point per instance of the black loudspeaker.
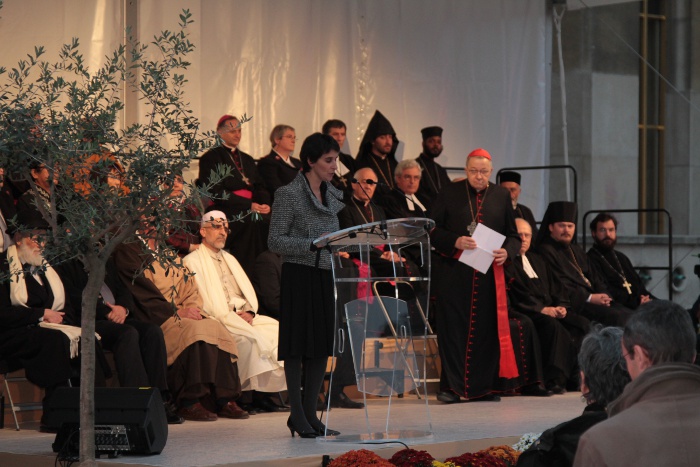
(127, 420)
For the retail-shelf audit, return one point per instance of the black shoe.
(535, 390)
(342, 401)
(486, 398)
(447, 397)
(323, 431)
(556, 389)
(250, 408)
(171, 414)
(267, 405)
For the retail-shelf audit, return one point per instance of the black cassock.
(247, 238)
(466, 299)
(560, 338)
(569, 270)
(609, 268)
(433, 178)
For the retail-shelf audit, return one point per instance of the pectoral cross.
(471, 228)
(628, 286)
(246, 180)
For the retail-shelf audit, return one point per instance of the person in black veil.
(378, 152)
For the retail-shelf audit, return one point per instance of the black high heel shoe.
(323, 431)
(302, 434)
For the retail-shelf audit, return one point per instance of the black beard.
(431, 155)
(606, 246)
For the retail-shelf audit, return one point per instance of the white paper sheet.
(481, 257)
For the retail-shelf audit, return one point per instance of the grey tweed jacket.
(298, 218)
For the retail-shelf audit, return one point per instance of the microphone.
(382, 222)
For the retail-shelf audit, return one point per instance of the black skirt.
(306, 312)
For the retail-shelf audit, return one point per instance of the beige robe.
(257, 344)
(181, 333)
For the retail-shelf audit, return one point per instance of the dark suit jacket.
(532, 295)
(275, 172)
(221, 155)
(395, 205)
(75, 280)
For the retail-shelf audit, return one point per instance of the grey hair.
(278, 132)
(664, 330)
(603, 365)
(405, 164)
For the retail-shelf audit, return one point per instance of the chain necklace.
(578, 268)
(472, 227)
(360, 210)
(625, 283)
(389, 181)
(238, 165)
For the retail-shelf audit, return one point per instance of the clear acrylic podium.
(382, 318)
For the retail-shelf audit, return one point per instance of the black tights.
(303, 412)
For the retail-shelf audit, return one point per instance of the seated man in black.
(32, 301)
(585, 290)
(534, 291)
(614, 267)
(138, 347)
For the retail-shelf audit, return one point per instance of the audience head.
(283, 139)
(42, 175)
(364, 184)
(314, 148)
(602, 364)
(214, 230)
(335, 129)
(659, 332)
(511, 182)
(380, 135)
(432, 141)
(525, 234)
(29, 232)
(478, 169)
(604, 230)
(229, 129)
(407, 175)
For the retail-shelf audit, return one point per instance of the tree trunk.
(96, 274)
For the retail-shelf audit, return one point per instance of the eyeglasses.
(482, 172)
(292, 137)
(218, 227)
(367, 181)
(415, 178)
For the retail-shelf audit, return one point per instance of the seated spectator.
(603, 378)
(229, 297)
(536, 292)
(585, 290)
(346, 163)
(403, 201)
(279, 167)
(623, 282)
(138, 347)
(185, 239)
(202, 371)
(655, 420)
(511, 182)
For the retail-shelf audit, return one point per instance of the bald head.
(525, 233)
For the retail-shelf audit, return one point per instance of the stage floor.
(264, 439)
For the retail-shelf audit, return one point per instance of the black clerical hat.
(27, 219)
(509, 176)
(378, 126)
(557, 211)
(431, 131)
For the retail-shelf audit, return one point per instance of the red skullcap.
(224, 119)
(480, 153)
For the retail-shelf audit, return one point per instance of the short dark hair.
(664, 330)
(333, 123)
(603, 365)
(314, 147)
(602, 217)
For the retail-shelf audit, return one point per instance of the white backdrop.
(476, 68)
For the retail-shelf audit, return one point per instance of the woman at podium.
(304, 210)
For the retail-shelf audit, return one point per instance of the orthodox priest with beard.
(472, 322)
(623, 282)
(378, 152)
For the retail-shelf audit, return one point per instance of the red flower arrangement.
(360, 457)
(477, 459)
(412, 458)
(505, 453)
